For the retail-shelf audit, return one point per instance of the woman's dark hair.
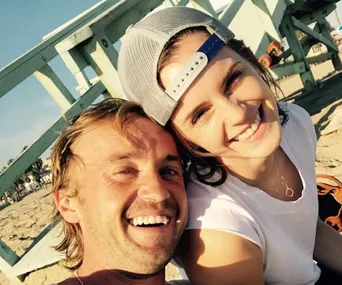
(197, 160)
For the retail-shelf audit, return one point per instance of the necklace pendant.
(289, 192)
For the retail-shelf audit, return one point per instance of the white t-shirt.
(285, 231)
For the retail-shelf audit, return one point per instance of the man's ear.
(67, 207)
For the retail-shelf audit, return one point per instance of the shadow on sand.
(327, 93)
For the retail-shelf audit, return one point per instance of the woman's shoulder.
(225, 209)
(230, 195)
(214, 198)
(196, 188)
(295, 111)
(299, 123)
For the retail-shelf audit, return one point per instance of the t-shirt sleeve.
(223, 214)
(306, 122)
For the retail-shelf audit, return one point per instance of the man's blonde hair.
(117, 111)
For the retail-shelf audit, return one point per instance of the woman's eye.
(197, 116)
(229, 82)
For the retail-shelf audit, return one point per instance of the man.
(118, 186)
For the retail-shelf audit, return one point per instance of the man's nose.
(153, 189)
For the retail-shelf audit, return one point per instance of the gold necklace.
(289, 192)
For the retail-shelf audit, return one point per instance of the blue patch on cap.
(212, 46)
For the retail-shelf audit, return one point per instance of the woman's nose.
(232, 111)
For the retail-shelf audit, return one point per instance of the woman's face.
(228, 110)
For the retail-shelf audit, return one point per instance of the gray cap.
(141, 49)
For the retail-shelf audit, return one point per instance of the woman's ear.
(67, 206)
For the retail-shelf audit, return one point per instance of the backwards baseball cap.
(141, 49)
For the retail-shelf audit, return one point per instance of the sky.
(28, 110)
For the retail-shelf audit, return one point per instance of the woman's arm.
(328, 247)
(217, 257)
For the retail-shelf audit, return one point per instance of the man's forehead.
(139, 138)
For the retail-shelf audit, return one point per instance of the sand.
(22, 221)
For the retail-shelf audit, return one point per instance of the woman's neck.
(262, 173)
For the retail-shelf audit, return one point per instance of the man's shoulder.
(178, 282)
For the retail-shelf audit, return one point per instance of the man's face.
(131, 200)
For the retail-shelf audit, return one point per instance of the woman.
(252, 194)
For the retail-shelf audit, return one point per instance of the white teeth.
(251, 130)
(146, 221)
(159, 219)
(149, 220)
(152, 220)
(254, 126)
(140, 220)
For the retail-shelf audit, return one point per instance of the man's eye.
(168, 171)
(125, 171)
(229, 82)
(197, 116)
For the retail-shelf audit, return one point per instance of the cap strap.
(194, 66)
(212, 46)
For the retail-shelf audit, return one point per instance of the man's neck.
(104, 269)
(116, 277)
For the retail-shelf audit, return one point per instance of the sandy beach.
(22, 221)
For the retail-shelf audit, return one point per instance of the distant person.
(253, 207)
(2, 201)
(35, 185)
(118, 187)
(28, 185)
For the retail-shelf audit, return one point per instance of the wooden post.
(289, 32)
(204, 5)
(324, 27)
(337, 17)
(55, 87)
(103, 58)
